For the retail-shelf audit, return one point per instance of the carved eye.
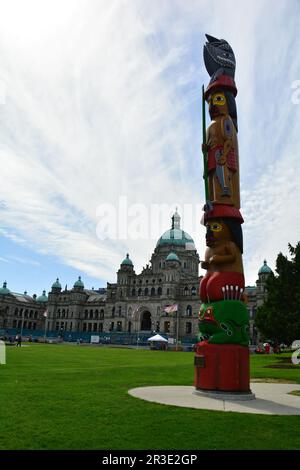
(216, 227)
(219, 99)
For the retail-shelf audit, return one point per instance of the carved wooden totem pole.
(222, 355)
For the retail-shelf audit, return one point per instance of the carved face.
(216, 230)
(217, 104)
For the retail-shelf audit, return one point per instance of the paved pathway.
(271, 399)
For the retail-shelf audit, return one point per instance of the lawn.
(75, 397)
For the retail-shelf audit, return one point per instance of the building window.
(95, 327)
(119, 326)
(16, 312)
(186, 291)
(146, 291)
(159, 291)
(96, 314)
(168, 291)
(35, 314)
(84, 327)
(189, 310)
(57, 325)
(33, 325)
(152, 291)
(112, 325)
(157, 326)
(89, 327)
(193, 290)
(86, 314)
(129, 327)
(140, 291)
(120, 311)
(184, 264)
(100, 327)
(102, 314)
(188, 328)
(167, 327)
(91, 314)
(15, 324)
(113, 311)
(133, 292)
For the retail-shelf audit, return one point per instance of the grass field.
(75, 397)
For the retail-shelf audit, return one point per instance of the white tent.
(157, 338)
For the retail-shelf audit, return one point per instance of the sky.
(100, 131)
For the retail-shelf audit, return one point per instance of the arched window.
(146, 291)
(91, 313)
(186, 291)
(86, 313)
(96, 314)
(184, 264)
(159, 291)
(35, 314)
(189, 310)
(168, 291)
(193, 290)
(16, 311)
(133, 292)
(102, 314)
(152, 291)
(120, 311)
(140, 291)
(188, 328)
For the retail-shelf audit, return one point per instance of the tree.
(278, 319)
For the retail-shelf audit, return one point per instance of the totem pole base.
(222, 368)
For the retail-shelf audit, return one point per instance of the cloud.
(103, 100)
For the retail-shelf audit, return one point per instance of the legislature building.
(163, 298)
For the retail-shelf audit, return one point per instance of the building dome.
(172, 257)
(56, 284)
(79, 283)
(4, 290)
(265, 269)
(175, 236)
(42, 298)
(127, 261)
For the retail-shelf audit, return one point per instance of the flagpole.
(177, 330)
(45, 315)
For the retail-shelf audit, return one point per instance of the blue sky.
(102, 100)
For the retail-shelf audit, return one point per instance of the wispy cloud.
(103, 100)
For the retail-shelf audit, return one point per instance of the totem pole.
(222, 355)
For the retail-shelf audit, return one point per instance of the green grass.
(76, 397)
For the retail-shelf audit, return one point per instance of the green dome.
(4, 290)
(172, 257)
(265, 269)
(175, 236)
(56, 284)
(127, 261)
(79, 283)
(42, 298)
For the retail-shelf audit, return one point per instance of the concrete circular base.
(236, 396)
(270, 399)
